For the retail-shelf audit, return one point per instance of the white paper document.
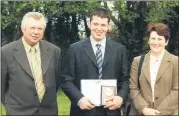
(91, 88)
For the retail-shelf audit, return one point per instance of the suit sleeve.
(68, 74)
(124, 76)
(4, 78)
(58, 69)
(170, 103)
(135, 93)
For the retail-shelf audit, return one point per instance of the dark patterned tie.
(99, 60)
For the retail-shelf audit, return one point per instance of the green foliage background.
(130, 20)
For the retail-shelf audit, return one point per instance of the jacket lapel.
(109, 50)
(21, 57)
(89, 51)
(146, 67)
(163, 66)
(45, 57)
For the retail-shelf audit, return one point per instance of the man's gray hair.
(34, 15)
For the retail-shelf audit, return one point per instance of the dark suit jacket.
(18, 92)
(80, 63)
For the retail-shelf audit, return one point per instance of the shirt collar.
(159, 58)
(28, 47)
(102, 42)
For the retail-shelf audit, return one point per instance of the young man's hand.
(114, 102)
(86, 104)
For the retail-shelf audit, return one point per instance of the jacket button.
(156, 97)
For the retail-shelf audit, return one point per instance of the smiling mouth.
(35, 37)
(156, 46)
(98, 33)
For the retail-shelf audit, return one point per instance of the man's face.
(33, 31)
(99, 27)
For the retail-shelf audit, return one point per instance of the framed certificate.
(93, 89)
(106, 92)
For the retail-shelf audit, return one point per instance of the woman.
(158, 93)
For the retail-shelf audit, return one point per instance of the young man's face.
(33, 31)
(99, 27)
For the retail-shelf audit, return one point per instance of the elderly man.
(30, 71)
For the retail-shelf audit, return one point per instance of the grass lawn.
(63, 105)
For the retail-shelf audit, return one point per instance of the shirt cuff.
(80, 101)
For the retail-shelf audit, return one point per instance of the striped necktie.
(37, 73)
(99, 60)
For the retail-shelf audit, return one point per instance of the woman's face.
(157, 43)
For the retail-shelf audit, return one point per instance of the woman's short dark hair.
(160, 28)
(100, 12)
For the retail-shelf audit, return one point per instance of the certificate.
(91, 88)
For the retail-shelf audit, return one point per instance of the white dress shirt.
(102, 43)
(154, 66)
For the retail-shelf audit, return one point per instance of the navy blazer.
(80, 63)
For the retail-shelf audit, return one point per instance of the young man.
(85, 60)
(30, 71)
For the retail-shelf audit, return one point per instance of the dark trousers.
(100, 111)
